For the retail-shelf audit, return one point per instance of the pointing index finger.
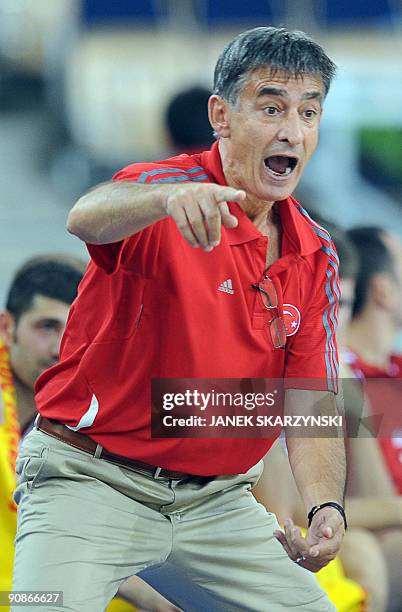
(228, 194)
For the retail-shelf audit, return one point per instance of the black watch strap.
(338, 507)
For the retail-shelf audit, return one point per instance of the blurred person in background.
(189, 499)
(186, 121)
(31, 327)
(377, 318)
(377, 309)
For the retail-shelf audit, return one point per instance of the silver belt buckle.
(156, 473)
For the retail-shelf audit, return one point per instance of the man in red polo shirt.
(203, 266)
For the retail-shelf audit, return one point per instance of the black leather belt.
(88, 445)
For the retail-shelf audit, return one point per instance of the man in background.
(377, 311)
(377, 318)
(31, 327)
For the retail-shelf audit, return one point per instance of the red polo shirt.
(153, 307)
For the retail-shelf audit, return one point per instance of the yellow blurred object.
(119, 605)
(9, 441)
(345, 594)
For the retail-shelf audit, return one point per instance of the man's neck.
(371, 335)
(260, 212)
(26, 409)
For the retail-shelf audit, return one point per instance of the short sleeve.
(312, 352)
(138, 253)
(109, 257)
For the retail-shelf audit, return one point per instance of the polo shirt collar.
(299, 236)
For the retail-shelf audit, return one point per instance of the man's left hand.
(322, 541)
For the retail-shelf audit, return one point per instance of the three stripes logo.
(226, 286)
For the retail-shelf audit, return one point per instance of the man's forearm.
(115, 210)
(319, 469)
(318, 464)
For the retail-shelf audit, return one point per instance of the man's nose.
(291, 129)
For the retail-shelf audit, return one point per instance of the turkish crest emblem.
(291, 319)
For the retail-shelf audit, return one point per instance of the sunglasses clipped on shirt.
(269, 297)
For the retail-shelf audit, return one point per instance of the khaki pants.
(85, 525)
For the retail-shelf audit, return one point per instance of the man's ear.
(7, 328)
(219, 115)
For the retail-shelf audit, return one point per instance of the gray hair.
(281, 50)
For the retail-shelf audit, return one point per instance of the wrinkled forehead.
(279, 75)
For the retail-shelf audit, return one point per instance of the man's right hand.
(200, 210)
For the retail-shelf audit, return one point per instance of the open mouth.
(281, 165)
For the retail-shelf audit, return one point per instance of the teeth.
(286, 173)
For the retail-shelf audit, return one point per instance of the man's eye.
(48, 326)
(271, 110)
(310, 113)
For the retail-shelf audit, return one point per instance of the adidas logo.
(226, 286)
